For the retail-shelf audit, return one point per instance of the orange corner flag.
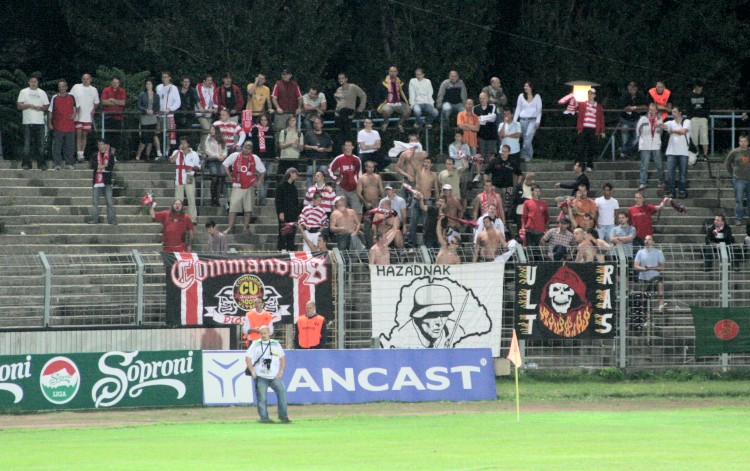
(514, 355)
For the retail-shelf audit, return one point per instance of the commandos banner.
(437, 306)
(205, 289)
(565, 301)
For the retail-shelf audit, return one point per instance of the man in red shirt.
(640, 217)
(62, 111)
(113, 102)
(177, 228)
(345, 170)
(287, 99)
(535, 217)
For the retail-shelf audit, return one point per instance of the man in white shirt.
(368, 140)
(266, 362)
(509, 132)
(606, 207)
(186, 162)
(314, 105)
(420, 97)
(33, 103)
(169, 102)
(398, 204)
(87, 97)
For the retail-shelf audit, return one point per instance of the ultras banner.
(574, 300)
(437, 306)
(207, 289)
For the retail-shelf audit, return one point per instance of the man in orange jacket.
(311, 329)
(254, 320)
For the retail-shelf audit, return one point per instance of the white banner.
(438, 306)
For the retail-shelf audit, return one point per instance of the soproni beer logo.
(59, 380)
(14, 372)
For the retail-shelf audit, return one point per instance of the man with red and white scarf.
(345, 170)
(590, 127)
(247, 172)
(186, 162)
(208, 105)
(103, 163)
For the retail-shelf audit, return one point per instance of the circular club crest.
(247, 290)
(60, 380)
(726, 329)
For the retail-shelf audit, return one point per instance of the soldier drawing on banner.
(438, 313)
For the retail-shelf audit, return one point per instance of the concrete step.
(81, 247)
(83, 229)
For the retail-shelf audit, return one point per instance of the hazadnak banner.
(207, 289)
(101, 380)
(353, 376)
(573, 300)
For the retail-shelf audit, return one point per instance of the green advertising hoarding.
(101, 380)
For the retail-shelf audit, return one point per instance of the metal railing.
(128, 290)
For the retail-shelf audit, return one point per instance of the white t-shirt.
(86, 98)
(398, 204)
(191, 160)
(514, 142)
(678, 144)
(33, 97)
(169, 97)
(268, 356)
(367, 138)
(316, 102)
(606, 209)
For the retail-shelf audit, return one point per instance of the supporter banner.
(206, 289)
(721, 330)
(437, 306)
(101, 380)
(574, 300)
(353, 376)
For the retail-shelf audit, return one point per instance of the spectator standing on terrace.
(738, 166)
(113, 103)
(487, 130)
(287, 99)
(590, 128)
(217, 240)
(186, 162)
(311, 331)
(369, 146)
(149, 106)
(660, 96)
(535, 217)
(215, 151)
(716, 234)
(103, 164)
(699, 111)
(582, 207)
(392, 99)
(346, 103)
(649, 130)
(452, 176)
(581, 179)
(189, 104)
(468, 122)
(62, 111)
(345, 170)
(259, 97)
(208, 105)
(87, 97)
(312, 220)
(380, 254)
(677, 151)
(488, 243)
(33, 103)
(623, 234)
(231, 99)
(318, 146)
(345, 224)
(247, 172)
(291, 144)
(264, 146)
(505, 175)
(606, 207)
(486, 198)
(640, 216)
(451, 97)
(448, 253)
(177, 228)
(266, 362)
(169, 100)
(634, 104)
(232, 133)
(314, 105)
(288, 208)
(420, 97)
(453, 207)
(495, 93)
(328, 194)
(529, 115)
(509, 132)
(497, 222)
(648, 263)
(397, 203)
(427, 186)
(521, 193)
(370, 191)
(386, 219)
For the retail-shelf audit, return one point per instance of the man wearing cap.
(246, 171)
(590, 127)
(287, 99)
(288, 208)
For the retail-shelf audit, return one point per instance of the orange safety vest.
(661, 100)
(256, 321)
(310, 330)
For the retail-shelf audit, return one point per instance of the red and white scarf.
(262, 130)
(102, 161)
(652, 121)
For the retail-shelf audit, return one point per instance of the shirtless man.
(427, 186)
(410, 161)
(586, 249)
(370, 191)
(380, 254)
(448, 253)
(488, 243)
(453, 206)
(345, 223)
(385, 223)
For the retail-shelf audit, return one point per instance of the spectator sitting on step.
(648, 263)
(716, 234)
(217, 241)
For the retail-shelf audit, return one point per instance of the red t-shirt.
(62, 113)
(640, 218)
(349, 169)
(118, 94)
(535, 215)
(174, 228)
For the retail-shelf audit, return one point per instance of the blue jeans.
(672, 162)
(33, 143)
(111, 216)
(430, 113)
(605, 231)
(449, 109)
(261, 388)
(741, 190)
(629, 137)
(528, 128)
(646, 157)
(416, 215)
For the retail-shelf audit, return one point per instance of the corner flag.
(514, 354)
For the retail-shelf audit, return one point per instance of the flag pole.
(514, 355)
(518, 398)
